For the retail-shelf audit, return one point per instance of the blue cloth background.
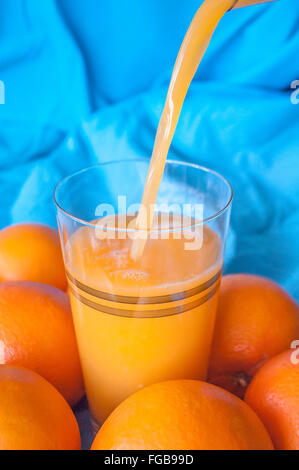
(85, 82)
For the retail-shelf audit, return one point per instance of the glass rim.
(168, 161)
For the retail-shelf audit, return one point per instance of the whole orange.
(31, 252)
(274, 395)
(36, 332)
(182, 415)
(256, 320)
(33, 414)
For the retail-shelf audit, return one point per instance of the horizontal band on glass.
(155, 313)
(145, 300)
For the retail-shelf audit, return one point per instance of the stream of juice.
(191, 52)
(147, 315)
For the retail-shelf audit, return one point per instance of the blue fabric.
(85, 82)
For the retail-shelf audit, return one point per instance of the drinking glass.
(144, 321)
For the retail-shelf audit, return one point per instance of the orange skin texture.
(256, 320)
(33, 414)
(36, 332)
(274, 395)
(182, 415)
(31, 252)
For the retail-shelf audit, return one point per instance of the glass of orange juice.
(149, 320)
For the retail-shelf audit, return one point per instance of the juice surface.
(140, 323)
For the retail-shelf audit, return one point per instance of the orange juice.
(141, 322)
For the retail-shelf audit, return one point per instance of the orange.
(31, 252)
(33, 414)
(256, 320)
(182, 415)
(274, 395)
(36, 331)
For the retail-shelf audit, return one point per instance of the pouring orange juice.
(144, 280)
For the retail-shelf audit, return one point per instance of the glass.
(142, 322)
